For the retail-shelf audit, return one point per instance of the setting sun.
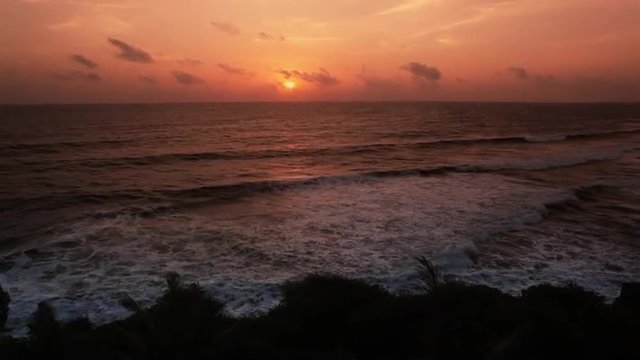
(289, 85)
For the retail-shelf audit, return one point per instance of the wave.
(233, 191)
(326, 151)
(603, 134)
(575, 197)
(59, 146)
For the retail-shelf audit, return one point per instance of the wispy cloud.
(188, 62)
(226, 27)
(545, 80)
(84, 61)
(185, 78)
(78, 75)
(131, 53)
(320, 78)
(311, 39)
(376, 82)
(407, 5)
(541, 80)
(234, 70)
(121, 4)
(422, 71)
(264, 36)
(65, 25)
(482, 13)
(147, 79)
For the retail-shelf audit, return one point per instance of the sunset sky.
(68, 51)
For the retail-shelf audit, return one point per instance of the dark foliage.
(5, 299)
(327, 317)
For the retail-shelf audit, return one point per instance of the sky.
(95, 51)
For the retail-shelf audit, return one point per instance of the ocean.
(101, 200)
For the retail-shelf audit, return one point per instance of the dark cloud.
(147, 79)
(540, 80)
(84, 61)
(372, 81)
(234, 70)
(519, 72)
(419, 70)
(320, 78)
(264, 36)
(78, 75)
(545, 80)
(189, 62)
(186, 78)
(131, 53)
(226, 27)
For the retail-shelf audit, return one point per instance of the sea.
(100, 202)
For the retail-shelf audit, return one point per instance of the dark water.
(100, 200)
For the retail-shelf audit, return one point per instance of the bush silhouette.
(5, 299)
(329, 317)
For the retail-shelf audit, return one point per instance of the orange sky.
(66, 51)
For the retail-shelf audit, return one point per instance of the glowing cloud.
(320, 78)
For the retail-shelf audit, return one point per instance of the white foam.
(242, 251)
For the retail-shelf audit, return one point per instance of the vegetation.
(4, 307)
(328, 317)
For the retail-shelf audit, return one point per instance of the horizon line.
(549, 102)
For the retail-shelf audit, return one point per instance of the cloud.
(408, 5)
(120, 4)
(545, 80)
(65, 25)
(78, 75)
(234, 70)
(519, 72)
(264, 36)
(131, 53)
(186, 78)
(320, 78)
(189, 62)
(147, 79)
(542, 80)
(419, 70)
(372, 81)
(84, 61)
(226, 27)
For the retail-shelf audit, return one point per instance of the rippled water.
(98, 200)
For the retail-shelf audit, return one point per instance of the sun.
(289, 85)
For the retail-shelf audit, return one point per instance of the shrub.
(5, 299)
